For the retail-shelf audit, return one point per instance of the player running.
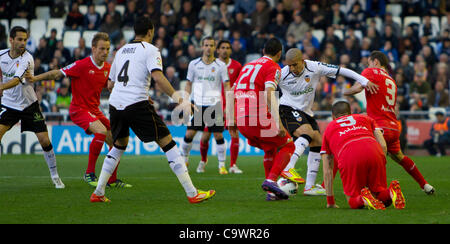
(89, 77)
(205, 78)
(130, 107)
(356, 145)
(257, 116)
(381, 107)
(233, 67)
(299, 80)
(19, 101)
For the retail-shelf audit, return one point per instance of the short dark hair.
(341, 107)
(223, 42)
(16, 29)
(207, 38)
(381, 57)
(142, 25)
(273, 46)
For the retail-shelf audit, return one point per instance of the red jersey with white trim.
(234, 68)
(381, 105)
(88, 81)
(251, 82)
(346, 129)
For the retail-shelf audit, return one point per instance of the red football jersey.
(88, 81)
(251, 82)
(381, 105)
(234, 68)
(345, 129)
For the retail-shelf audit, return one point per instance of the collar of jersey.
(98, 67)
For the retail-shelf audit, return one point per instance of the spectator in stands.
(375, 8)
(4, 13)
(375, 38)
(225, 17)
(419, 91)
(403, 88)
(189, 12)
(63, 97)
(176, 5)
(42, 52)
(113, 13)
(429, 57)
(209, 13)
(92, 19)
(182, 66)
(84, 50)
(390, 36)
(390, 51)
(3, 40)
(335, 17)
(278, 28)
(406, 67)
(430, 6)
(169, 13)
(196, 40)
(440, 135)
(130, 15)
(172, 77)
(74, 19)
(330, 37)
(205, 26)
(439, 96)
(241, 26)
(238, 53)
(441, 73)
(236, 35)
(23, 9)
(396, 28)
(51, 41)
(152, 13)
(280, 9)
(298, 28)
(260, 18)
(428, 29)
(352, 49)
(244, 6)
(356, 17)
(259, 39)
(444, 47)
(44, 103)
(57, 9)
(38, 69)
(112, 28)
(316, 17)
(65, 52)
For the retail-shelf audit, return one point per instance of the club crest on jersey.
(213, 69)
(17, 64)
(91, 72)
(231, 71)
(106, 73)
(307, 78)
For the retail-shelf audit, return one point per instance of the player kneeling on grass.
(19, 101)
(357, 145)
(130, 107)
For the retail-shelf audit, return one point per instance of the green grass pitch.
(28, 196)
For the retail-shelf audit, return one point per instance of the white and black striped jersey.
(131, 71)
(207, 81)
(299, 90)
(22, 95)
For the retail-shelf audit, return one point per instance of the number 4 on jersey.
(123, 74)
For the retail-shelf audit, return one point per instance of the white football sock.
(109, 165)
(300, 145)
(221, 154)
(313, 164)
(178, 166)
(186, 148)
(51, 163)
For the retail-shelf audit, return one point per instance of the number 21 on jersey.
(246, 71)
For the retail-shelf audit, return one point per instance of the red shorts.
(362, 164)
(392, 138)
(84, 118)
(263, 138)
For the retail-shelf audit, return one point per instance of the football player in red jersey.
(234, 67)
(381, 107)
(356, 145)
(89, 77)
(257, 116)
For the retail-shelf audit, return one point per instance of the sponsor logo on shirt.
(305, 91)
(352, 129)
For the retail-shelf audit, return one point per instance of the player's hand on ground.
(372, 87)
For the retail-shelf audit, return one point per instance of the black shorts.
(31, 118)
(142, 118)
(208, 116)
(292, 119)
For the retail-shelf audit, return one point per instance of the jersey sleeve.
(224, 74)
(273, 77)
(154, 62)
(190, 72)
(72, 70)
(112, 71)
(284, 74)
(368, 73)
(25, 64)
(328, 70)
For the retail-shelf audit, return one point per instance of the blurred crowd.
(419, 53)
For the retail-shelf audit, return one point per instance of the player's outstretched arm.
(356, 88)
(10, 84)
(166, 87)
(328, 179)
(365, 83)
(50, 75)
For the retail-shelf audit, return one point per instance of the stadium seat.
(71, 39)
(398, 20)
(88, 35)
(5, 22)
(251, 56)
(42, 12)
(128, 35)
(339, 34)
(121, 9)
(394, 9)
(101, 9)
(38, 28)
(435, 21)
(83, 9)
(58, 24)
(318, 34)
(378, 23)
(443, 21)
(19, 22)
(411, 19)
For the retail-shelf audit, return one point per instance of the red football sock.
(234, 151)
(94, 150)
(356, 202)
(282, 158)
(204, 150)
(411, 168)
(385, 197)
(268, 161)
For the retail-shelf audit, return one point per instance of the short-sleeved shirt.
(234, 68)
(207, 81)
(87, 81)
(344, 130)
(22, 95)
(252, 81)
(299, 90)
(131, 71)
(381, 105)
